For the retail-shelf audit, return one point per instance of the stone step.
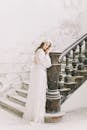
(64, 89)
(82, 72)
(54, 117)
(22, 92)
(17, 99)
(74, 78)
(25, 85)
(11, 106)
(71, 85)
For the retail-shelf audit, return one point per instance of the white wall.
(77, 100)
(25, 23)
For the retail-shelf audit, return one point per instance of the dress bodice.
(41, 59)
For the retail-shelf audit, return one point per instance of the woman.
(35, 106)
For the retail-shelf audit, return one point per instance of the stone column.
(53, 102)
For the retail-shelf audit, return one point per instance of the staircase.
(67, 74)
(68, 71)
(15, 100)
(73, 70)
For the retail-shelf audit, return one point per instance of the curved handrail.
(71, 47)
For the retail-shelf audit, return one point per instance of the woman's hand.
(47, 51)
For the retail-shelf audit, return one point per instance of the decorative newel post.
(53, 97)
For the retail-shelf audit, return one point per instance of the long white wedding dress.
(35, 106)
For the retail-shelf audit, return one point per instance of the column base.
(54, 117)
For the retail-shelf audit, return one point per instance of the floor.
(71, 121)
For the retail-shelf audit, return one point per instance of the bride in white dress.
(36, 100)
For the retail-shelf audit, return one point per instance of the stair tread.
(16, 96)
(69, 83)
(82, 71)
(78, 76)
(12, 104)
(26, 82)
(65, 89)
(22, 90)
